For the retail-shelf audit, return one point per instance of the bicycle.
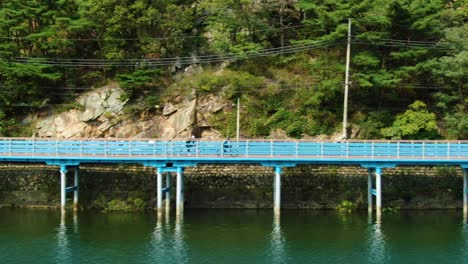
(227, 150)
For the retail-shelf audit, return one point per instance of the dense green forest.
(285, 60)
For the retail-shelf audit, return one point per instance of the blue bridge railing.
(243, 149)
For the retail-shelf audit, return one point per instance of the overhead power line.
(174, 60)
(401, 43)
(204, 59)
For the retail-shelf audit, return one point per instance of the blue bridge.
(174, 156)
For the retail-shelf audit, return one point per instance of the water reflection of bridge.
(258, 237)
(174, 156)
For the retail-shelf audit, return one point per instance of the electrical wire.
(174, 60)
(154, 62)
(401, 43)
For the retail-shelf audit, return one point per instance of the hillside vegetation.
(284, 60)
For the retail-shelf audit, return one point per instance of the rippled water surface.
(231, 236)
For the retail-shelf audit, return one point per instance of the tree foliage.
(415, 123)
(403, 52)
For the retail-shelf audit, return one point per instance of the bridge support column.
(277, 190)
(378, 190)
(159, 192)
(163, 191)
(465, 192)
(63, 186)
(168, 188)
(76, 189)
(369, 190)
(179, 191)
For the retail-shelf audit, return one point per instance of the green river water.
(231, 236)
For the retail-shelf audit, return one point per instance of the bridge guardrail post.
(423, 150)
(347, 150)
(459, 149)
(448, 150)
(271, 148)
(129, 148)
(398, 150)
(372, 150)
(297, 148)
(247, 148)
(171, 151)
(321, 150)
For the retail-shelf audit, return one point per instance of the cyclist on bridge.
(226, 144)
(190, 144)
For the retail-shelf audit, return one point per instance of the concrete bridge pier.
(76, 188)
(64, 189)
(277, 191)
(159, 189)
(377, 192)
(63, 186)
(369, 190)
(179, 190)
(168, 190)
(163, 191)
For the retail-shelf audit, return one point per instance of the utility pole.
(345, 103)
(282, 4)
(238, 119)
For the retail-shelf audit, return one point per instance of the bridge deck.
(245, 151)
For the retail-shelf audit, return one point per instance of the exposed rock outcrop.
(102, 115)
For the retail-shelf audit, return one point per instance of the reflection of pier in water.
(180, 247)
(63, 247)
(277, 242)
(376, 241)
(169, 243)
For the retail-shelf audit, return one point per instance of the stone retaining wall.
(237, 186)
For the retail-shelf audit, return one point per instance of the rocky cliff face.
(102, 115)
